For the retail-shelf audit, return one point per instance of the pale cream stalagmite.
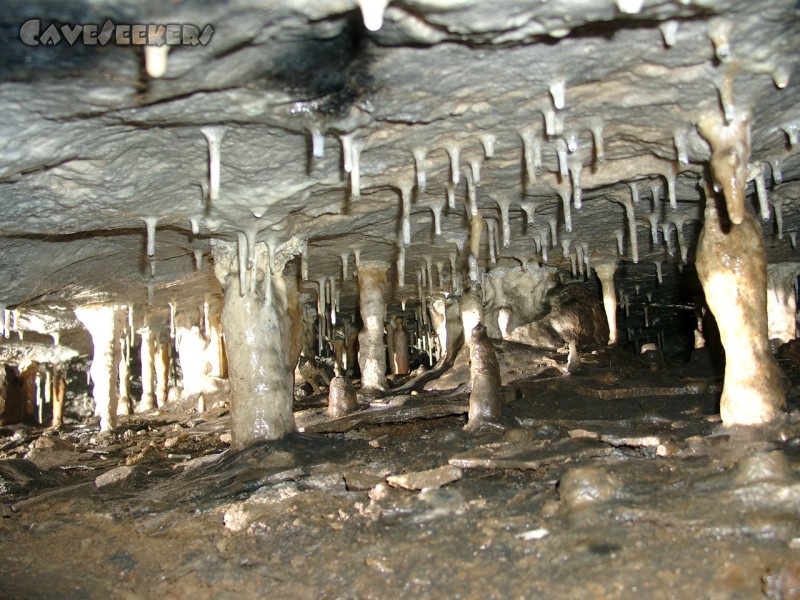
(782, 301)
(162, 364)
(258, 331)
(731, 266)
(372, 353)
(605, 273)
(195, 367)
(147, 353)
(105, 324)
(125, 403)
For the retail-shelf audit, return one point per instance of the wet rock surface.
(638, 494)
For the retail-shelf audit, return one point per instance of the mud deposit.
(615, 482)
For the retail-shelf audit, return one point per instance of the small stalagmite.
(731, 265)
(485, 402)
(372, 353)
(59, 395)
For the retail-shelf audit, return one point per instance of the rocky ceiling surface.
(560, 122)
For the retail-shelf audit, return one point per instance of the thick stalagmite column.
(162, 363)
(372, 352)
(191, 353)
(216, 347)
(147, 351)
(731, 266)
(258, 337)
(59, 395)
(782, 301)
(605, 273)
(105, 324)
(401, 360)
(124, 404)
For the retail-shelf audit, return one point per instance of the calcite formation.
(328, 175)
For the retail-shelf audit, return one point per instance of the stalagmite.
(191, 349)
(372, 353)
(731, 265)
(471, 310)
(342, 398)
(372, 13)
(124, 403)
(782, 301)
(419, 163)
(730, 151)
(575, 167)
(214, 137)
(162, 360)
(147, 351)
(401, 358)
(261, 331)
(605, 273)
(59, 395)
(485, 400)
(155, 60)
(105, 324)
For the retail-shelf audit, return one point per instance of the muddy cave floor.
(619, 481)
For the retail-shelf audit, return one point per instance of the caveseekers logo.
(32, 33)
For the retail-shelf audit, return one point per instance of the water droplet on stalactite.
(652, 218)
(355, 173)
(572, 141)
(436, 209)
(372, 13)
(405, 218)
(620, 235)
(529, 208)
(488, 140)
(630, 7)
(564, 193)
(673, 200)
(419, 164)
(453, 151)
(756, 173)
(450, 188)
(156, 60)
(558, 92)
(242, 256)
(317, 142)
(553, 223)
(490, 225)
(472, 195)
(506, 226)
(597, 135)
(665, 227)
(778, 204)
(150, 224)
(575, 167)
(669, 31)
(730, 151)
(777, 175)
(561, 151)
(679, 138)
(719, 30)
(214, 137)
(658, 271)
(792, 131)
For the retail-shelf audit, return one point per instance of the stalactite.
(565, 206)
(619, 234)
(652, 218)
(679, 138)
(575, 167)
(669, 31)
(558, 93)
(372, 13)
(453, 150)
(490, 226)
(658, 271)
(156, 60)
(597, 135)
(528, 138)
(488, 140)
(472, 196)
(214, 137)
(529, 208)
(419, 154)
(503, 204)
(756, 173)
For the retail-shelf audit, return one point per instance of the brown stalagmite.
(485, 403)
(731, 265)
(401, 359)
(59, 395)
(162, 364)
(372, 352)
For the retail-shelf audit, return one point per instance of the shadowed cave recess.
(354, 299)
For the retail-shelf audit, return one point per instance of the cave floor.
(619, 482)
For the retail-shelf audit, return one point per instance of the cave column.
(161, 358)
(605, 273)
(124, 405)
(258, 335)
(105, 324)
(782, 301)
(216, 348)
(731, 265)
(59, 395)
(191, 353)
(372, 351)
(147, 352)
